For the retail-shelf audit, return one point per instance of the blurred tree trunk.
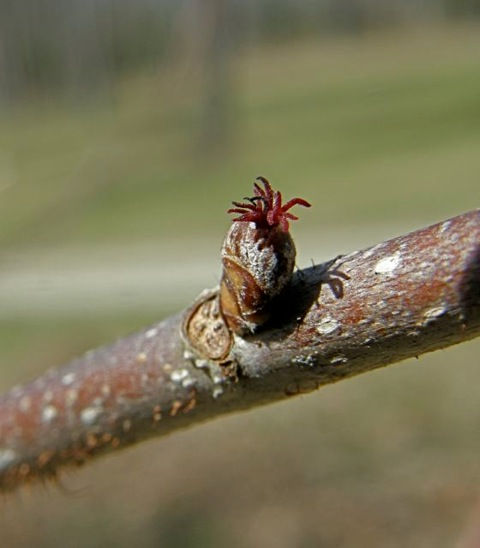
(84, 56)
(204, 42)
(216, 124)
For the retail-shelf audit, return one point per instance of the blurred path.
(144, 276)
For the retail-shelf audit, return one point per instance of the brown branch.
(399, 299)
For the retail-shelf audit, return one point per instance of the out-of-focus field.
(382, 134)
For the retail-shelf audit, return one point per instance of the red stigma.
(265, 208)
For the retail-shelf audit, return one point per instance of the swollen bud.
(258, 257)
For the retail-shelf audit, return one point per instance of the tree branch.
(399, 299)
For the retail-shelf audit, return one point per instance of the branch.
(401, 298)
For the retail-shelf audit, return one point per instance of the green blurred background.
(126, 128)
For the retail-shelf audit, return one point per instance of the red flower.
(265, 208)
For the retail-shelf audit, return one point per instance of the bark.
(409, 295)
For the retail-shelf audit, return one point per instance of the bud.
(258, 257)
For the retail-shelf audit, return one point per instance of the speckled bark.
(401, 298)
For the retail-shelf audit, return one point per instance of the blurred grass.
(382, 129)
(378, 128)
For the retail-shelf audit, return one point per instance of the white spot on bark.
(338, 359)
(7, 456)
(188, 355)
(186, 383)
(49, 413)
(327, 326)
(217, 379)
(304, 360)
(151, 333)
(201, 363)
(90, 414)
(68, 379)
(433, 313)
(445, 226)
(178, 375)
(105, 389)
(217, 391)
(388, 264)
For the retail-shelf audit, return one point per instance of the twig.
(399, 299)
